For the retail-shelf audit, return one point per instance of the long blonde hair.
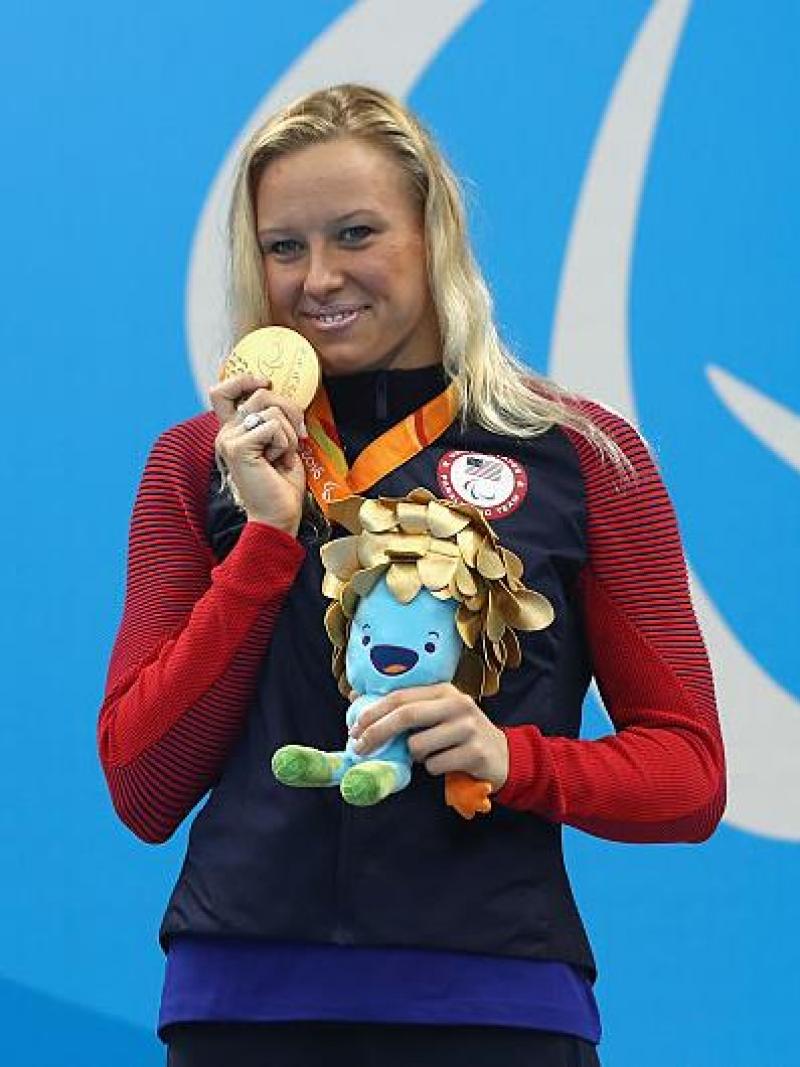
(495, 390)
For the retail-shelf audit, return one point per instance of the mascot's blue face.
(394, 645)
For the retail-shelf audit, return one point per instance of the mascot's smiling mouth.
(392, 659)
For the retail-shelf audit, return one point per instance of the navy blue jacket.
(266, 861)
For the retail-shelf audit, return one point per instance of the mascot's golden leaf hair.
(449, 549)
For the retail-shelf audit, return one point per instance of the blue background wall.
(116, 119)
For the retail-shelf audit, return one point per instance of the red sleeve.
(661, 776)
(191, 639)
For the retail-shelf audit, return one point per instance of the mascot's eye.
(430, 646)
(365, 640)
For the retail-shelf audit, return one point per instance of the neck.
(381, 398)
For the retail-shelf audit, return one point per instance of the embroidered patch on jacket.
(495, 484)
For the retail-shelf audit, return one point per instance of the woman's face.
(344, 257)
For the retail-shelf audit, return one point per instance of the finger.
(290, 465)
(226, 396)
(425, 743)
(263, 399)
(279, 446)
(408, 717)
(288, 427)
(273, 416)
(413, 694)
(459, 758)
(269, 439)
(284, 441)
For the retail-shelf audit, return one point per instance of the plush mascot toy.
(422, 593)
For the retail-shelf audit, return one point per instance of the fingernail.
(359, 743)
(303, 431)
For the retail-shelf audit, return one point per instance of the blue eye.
(354, 234)
(365, 640)
(286, 247)
(430, 646)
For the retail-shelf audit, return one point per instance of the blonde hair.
(495, 390)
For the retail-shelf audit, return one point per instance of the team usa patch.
(495, 484)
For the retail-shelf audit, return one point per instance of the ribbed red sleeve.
(191, 639)
(661, 775)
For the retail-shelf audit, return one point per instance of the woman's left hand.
(449, 732)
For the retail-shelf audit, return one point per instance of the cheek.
(279, 287)
(411, 278)
(377, 277)
(404, 287)
(398, 271)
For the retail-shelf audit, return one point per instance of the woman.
(300, 926)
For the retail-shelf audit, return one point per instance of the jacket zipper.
(382, 396)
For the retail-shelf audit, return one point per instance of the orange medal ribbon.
(329, 477)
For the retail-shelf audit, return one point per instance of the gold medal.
(281, 355)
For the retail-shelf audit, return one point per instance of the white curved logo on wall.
(395, 45)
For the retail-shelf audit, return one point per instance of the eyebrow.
(272, 231)
(433, 633)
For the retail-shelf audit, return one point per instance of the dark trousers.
(370, 1045)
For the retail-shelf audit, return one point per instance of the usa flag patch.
(495, 484)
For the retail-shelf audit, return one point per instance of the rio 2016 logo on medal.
(495, 484)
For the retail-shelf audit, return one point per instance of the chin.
(341, 363)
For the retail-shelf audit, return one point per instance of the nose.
(324, 275)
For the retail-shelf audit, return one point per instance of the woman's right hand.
(263, 462)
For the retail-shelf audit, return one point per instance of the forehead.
(331, 179)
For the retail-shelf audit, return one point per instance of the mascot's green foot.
(368, 783)
(298, 765)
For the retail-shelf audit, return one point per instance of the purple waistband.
(233, 980)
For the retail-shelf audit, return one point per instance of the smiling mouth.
(335, 320)
(392, 659)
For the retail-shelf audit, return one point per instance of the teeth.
(339, 316)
